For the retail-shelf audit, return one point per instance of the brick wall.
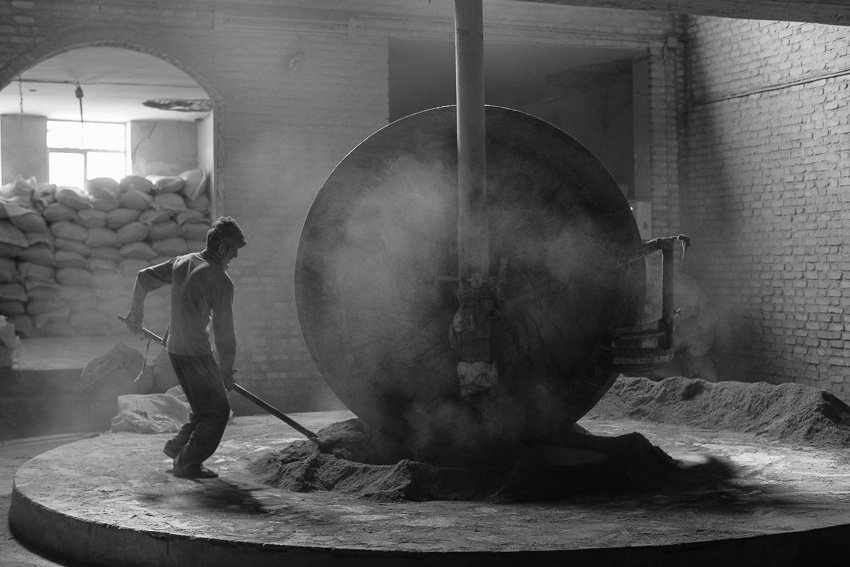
(296, 86)
(767, 195)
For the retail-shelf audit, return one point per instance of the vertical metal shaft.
(473, 229)
(667, 289)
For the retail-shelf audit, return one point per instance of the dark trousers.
(210, 409)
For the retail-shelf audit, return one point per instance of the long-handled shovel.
(236, 387)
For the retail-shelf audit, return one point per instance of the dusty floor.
(118, 484)
(13, 455)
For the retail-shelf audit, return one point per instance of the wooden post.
(473, 229)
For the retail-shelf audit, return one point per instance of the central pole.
(473, 229)
(472, 324)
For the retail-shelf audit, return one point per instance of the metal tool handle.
(275, 412)
(236, 387)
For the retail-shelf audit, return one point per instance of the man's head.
(224, 239)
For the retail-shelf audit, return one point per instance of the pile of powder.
(789, 413)
(351, 459)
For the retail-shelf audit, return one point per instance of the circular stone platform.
(110, 501)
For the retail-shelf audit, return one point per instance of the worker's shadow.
(224, 495)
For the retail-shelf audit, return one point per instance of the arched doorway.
(108, 152)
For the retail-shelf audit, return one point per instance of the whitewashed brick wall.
(768, 196)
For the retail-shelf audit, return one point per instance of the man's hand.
(227, 379)
(133, 322)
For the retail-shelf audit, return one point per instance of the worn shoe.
(197, 471)
(172, 449)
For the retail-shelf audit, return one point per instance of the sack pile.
(69, 257)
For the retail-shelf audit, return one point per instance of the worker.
(201, 291)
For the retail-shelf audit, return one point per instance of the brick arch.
(71, 40)
(19, 63)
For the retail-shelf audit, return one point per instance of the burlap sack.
(194, 183)
(169, 202)
(40, 238)
(137, 200)
(73, 246)
(133, 232)
(11, 308)
(121, 217)
(38, 254)
(44, 194)
(9, 250)
(19, 191)
(105, 204)
(202, 204)
(92, 218)
(150, 413)
(139, 250)
(8, 270)
(136, 183)
(166, 184)
(56, 212)
(99, 237)
(37, 290)
(68, 259)
(72, 198)
(10, 234)
(31, 271)
(29, 221)
(190, 215)
(103, 187)
(152, 216)
(12, 292)
(118, 366)
(163, 230)
(70, 231)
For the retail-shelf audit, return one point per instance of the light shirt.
(201, 292)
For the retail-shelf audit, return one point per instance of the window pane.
(64, 134)
(106, 164)
(88, 135)
(66, 169)
(101, 136)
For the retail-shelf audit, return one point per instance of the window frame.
(84, 151)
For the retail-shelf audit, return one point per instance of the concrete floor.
(111, 497)
(13, 455)
(789, 505)
(40, 361)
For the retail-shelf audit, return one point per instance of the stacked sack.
(78, 265)
(23, 266)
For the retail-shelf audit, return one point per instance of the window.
(80, 151)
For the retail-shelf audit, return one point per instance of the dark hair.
(225, 229)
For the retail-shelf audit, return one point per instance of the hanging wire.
(78, 92)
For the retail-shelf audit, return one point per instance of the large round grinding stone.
(379, 248)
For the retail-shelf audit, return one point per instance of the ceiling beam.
(836, 12)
